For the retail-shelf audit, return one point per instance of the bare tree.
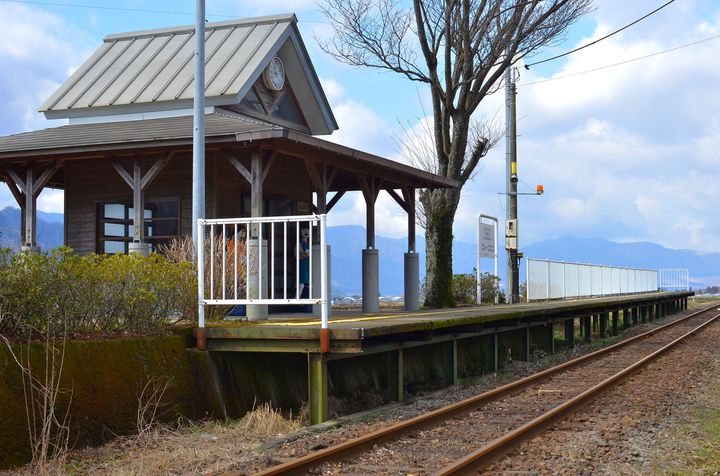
(460, 49)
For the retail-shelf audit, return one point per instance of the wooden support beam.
(138, 183)
(452, 362)
(154, 170)
(123, 173)
(397, 198)
(15, 191)
(603, 318)
(491, 354)
(333, 201)
(550, 337)
(45, 176)
(238, 166)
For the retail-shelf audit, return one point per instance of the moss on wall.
(101, 382)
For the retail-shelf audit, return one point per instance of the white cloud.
(51, 201)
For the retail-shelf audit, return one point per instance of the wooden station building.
(124, 160)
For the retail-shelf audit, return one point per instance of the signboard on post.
(487, 240)
(486, 248)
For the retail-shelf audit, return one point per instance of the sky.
(627, 153)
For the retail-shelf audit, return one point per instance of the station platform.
(352, 332)
(391, 354)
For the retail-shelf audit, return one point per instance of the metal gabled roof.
(154, 69)
(123, 134)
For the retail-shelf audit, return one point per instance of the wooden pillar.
(603, 318)
(26, 190)
(550, 338)
(635, 315)
(317, 387)
(587, 324)
(615, 319)
(525, 345)
(138, 183)
(570, 332)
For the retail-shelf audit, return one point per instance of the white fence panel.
(557, 280)
(674, 279)
(547, 279)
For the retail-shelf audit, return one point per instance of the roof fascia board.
(260, 68)
(136, 108)
(313, 79)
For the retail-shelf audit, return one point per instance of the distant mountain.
(49, 229)
(348, 241)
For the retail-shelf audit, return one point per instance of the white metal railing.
(674, 279)
(548, 279)
(258, 260)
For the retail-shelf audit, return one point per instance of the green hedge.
(61, 293)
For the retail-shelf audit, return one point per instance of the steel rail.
(504, 444)
(357, 445)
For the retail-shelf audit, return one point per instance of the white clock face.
(275, 74)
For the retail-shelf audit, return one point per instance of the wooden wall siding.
(94, 181)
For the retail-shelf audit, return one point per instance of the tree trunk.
(440, 207)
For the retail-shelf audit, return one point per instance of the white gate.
(258, 261)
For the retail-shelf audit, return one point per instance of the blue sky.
(628, 153)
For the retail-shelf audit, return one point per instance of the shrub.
(61, 293)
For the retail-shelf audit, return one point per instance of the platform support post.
(491, 352)
(635, 315)
(570, 332)
(587, 328)
(650, 312)
(525, 345)
(550, 338)
(452, 367)
(396, 385)
(603, 318)
(616, 319)
(317, 387)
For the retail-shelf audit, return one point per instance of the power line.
(623, 62)
(527, 66)
(125, 9)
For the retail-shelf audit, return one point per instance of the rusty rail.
(357, 445)
(504, 444)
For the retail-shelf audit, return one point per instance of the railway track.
(482, 428)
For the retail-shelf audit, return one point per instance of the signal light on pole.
(540, 190)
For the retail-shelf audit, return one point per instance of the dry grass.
(190, 448)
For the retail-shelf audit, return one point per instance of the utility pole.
(511, 228)
(198, 168)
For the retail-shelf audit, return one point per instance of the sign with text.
(487, 241)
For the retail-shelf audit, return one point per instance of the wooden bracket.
(336, 198)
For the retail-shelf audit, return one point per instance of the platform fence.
(249, 261)
(678, 279)
(548, 279)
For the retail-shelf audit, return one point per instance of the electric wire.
(599, 68)
(527, 66)
(126, 9)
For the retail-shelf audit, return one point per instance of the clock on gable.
(274, 75)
